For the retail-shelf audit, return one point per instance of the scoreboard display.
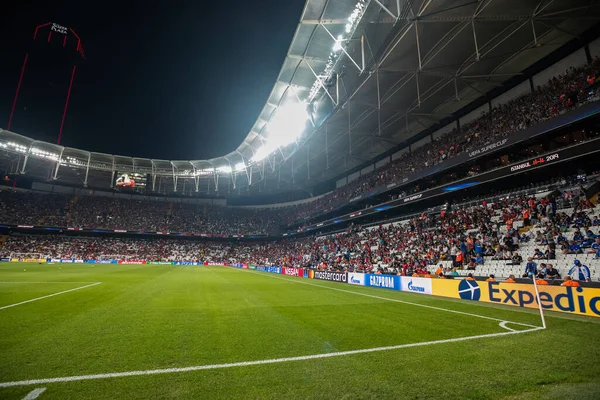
(131, 181)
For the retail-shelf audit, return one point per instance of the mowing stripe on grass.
(50, 295)
(34, 394)
(257, 362)
(389, 299)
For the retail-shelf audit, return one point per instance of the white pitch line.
(34, 394)
(251, 363)
(50, 295)
(42, 282)
(389, 299)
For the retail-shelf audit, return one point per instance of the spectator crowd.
(464, 238)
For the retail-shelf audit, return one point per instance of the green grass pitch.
(144, 318)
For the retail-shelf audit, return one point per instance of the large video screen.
(131, 181)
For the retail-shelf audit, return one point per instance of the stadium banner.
(133, 262)
(574, 300)
(29, 260)
(356, 278)
(161, 262)
(293, 271)
(187, 263)
(328, 276)
(102, 261)
(416, 285)
(273, 270)
(383, 281)
(4, 259)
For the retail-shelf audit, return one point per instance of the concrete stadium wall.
(575, 59)
(420, 143)
(368, 169)
(354, 176)
(595, 48)
(399, 154)
(473, 115)
(442, 131)
(383, 162)
(513, 93)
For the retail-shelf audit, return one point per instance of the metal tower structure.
(54, 34)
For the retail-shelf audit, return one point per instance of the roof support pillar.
(55, 177)
(475, 40)
(174, 177)
(87, 170)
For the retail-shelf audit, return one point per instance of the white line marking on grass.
(503, 325)
(34, 394)
(43, 282)
(50, 295)
(389, 299)
(257, 362)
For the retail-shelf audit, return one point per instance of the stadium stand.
(488, 238)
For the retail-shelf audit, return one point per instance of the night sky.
(164, 80)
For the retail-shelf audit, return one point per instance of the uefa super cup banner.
(293, 271)
(328, 276)
(383, 281)
(575, 300)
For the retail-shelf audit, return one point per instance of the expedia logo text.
(571, 300)
(331, 276)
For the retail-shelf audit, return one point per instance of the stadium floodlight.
(225, 168)
(286, 125)
(240, 166)
(338, 44)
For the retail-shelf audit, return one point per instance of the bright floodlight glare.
(225, 168)
(338, 44)
(240, 166)
(286, 125)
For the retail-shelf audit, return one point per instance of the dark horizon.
(163, 83)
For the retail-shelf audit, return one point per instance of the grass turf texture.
(153, 317)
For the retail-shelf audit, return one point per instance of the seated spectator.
(551, 272)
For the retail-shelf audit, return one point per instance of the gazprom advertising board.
(383, 281)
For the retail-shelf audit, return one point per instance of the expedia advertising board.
(328, 276)
(576, 300)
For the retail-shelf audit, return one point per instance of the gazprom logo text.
(414, 288)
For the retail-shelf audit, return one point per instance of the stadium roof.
(372, 74)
